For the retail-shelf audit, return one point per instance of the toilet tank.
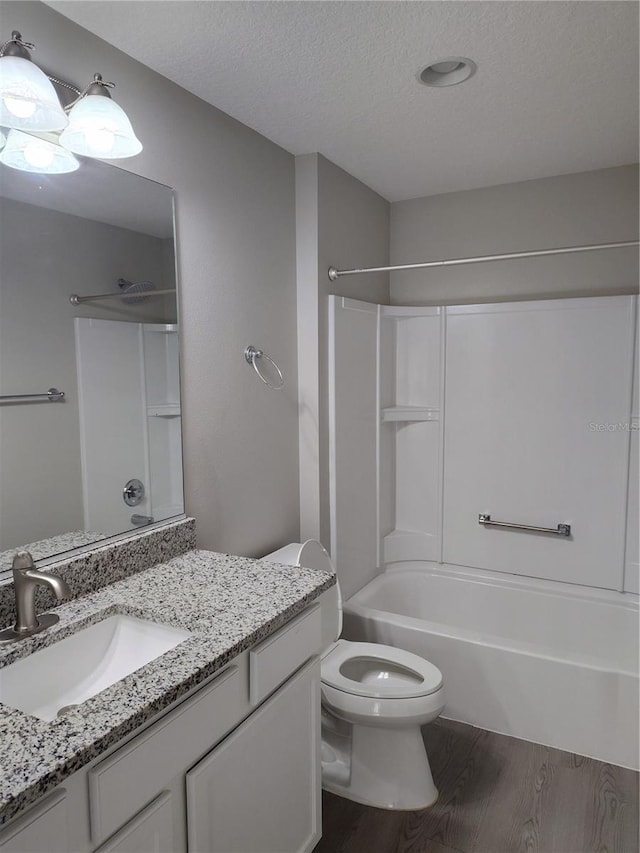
(311, 555)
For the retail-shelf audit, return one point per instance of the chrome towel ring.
(253, 355)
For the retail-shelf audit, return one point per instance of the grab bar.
(560, 530)
(52, 396)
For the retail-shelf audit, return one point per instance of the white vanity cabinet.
(151, 831)
(43, 829)
(259, 791)
(226, 769)
(125, 782)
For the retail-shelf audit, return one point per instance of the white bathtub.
(544, 661)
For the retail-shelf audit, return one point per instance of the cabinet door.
(259, 790)
(123, 784)
(43, 829)
(151, 831)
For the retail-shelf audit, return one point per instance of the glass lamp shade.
(35, 154)
(28, 100)
(98, 127)
(3, 139)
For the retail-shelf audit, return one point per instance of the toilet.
(375, 698)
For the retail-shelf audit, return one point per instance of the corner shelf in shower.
(166, 410)
(410, 413)
(409, 545)
(165, 328)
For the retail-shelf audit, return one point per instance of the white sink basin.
(76, 668)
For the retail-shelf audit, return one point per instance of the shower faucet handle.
(133, 492)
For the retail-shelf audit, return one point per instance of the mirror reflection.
(103, 456)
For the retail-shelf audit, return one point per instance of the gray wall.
(342, 223)
(236, 263)
(40, 472)
(568, 210)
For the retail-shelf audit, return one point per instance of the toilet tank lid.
(312, 555)
(309, 554)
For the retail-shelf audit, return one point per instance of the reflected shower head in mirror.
(134, 292)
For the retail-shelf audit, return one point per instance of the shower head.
(134, 292)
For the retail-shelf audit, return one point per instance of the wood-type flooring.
(498, 794)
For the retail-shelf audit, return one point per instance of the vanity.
(213, 746)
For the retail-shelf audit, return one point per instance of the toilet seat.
(374, 670)
(375, 699)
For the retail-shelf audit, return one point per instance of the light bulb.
(100, 140)
(20, 108)
(98, 127)
(28, 100)
(39, 156)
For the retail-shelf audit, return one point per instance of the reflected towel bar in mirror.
(560, 530)
(51, 396)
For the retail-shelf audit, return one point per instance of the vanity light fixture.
(92, 124)
(28, 100)
(40, 154)
(98, 127)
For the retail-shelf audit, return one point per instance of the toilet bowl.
(375, 698)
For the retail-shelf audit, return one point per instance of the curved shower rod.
(335, 273)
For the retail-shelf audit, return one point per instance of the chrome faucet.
(25, 580)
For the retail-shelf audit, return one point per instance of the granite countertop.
(52, 546)
(228, 603)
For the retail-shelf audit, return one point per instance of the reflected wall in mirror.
(106, 458)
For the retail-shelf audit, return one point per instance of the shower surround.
(495, 409)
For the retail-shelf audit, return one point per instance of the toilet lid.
(371, 669)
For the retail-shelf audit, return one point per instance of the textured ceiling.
(556, 89)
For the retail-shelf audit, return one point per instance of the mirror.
(106, 457)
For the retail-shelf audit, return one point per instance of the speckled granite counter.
(228, 603)
(52, 546)
(102, 565)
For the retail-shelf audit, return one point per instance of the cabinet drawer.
(272, 661)
(121, 785)
(43, 829)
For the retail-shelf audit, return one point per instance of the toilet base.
(389, 769)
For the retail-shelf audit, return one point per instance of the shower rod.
(335, 273)
(74, 299)
(53, 395)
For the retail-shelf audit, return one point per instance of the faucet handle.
(22, 561)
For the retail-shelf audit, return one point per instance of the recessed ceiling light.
(447, 72)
